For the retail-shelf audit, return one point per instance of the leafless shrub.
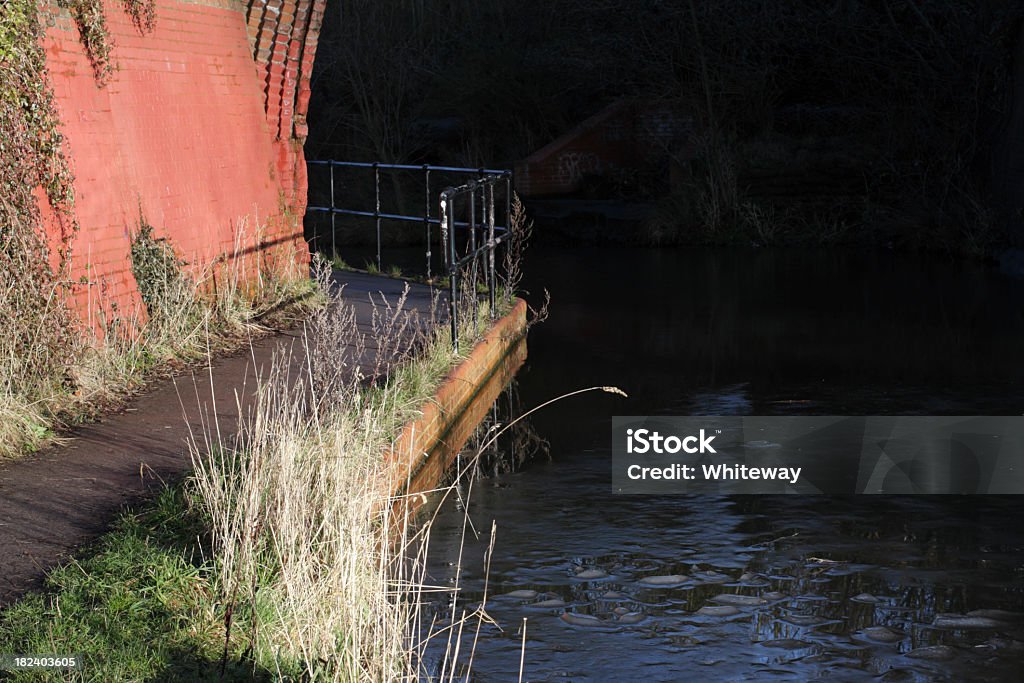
(520, 228)
(395, 330)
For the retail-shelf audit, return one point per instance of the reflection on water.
(749, 587)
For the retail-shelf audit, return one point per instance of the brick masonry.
(424, 451)
(199, 130)
(625, 135)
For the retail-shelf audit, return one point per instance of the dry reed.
(319, 577)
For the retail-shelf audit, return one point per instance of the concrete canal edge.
(421, 456)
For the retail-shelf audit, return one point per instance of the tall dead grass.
(56, 369)
(186, 311)
(36, 333)
(320, 576)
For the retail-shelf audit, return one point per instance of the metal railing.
(468, 245)
(426, 219)
(478, 255)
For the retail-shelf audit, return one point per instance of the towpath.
(63, 497)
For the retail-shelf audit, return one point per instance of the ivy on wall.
(39, 324)
(31, 156)
(92, 29)
(156, 268)
(143, 14)
(31, 144)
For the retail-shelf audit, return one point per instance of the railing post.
(472, 250)
(447, 219)
(334, 251)
(426, 212)
(491, 277)
(376, 210)
(508, 216)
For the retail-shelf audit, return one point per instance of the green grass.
(138, 604)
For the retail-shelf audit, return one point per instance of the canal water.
(708, 588)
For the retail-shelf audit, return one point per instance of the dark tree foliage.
(895, 105)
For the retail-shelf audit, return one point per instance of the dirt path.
(63, 497)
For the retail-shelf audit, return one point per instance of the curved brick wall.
(200, 128)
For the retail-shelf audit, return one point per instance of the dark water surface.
(838, 589)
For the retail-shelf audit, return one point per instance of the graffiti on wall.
(574, 165)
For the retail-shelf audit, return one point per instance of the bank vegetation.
(286, 555)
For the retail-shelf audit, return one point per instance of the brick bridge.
(199, 130)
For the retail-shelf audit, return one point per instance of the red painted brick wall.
(624, 135)
(193, 130)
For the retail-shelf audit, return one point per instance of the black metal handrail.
(475, 252)
(379, 215)
(405, 167)
(456, 261)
